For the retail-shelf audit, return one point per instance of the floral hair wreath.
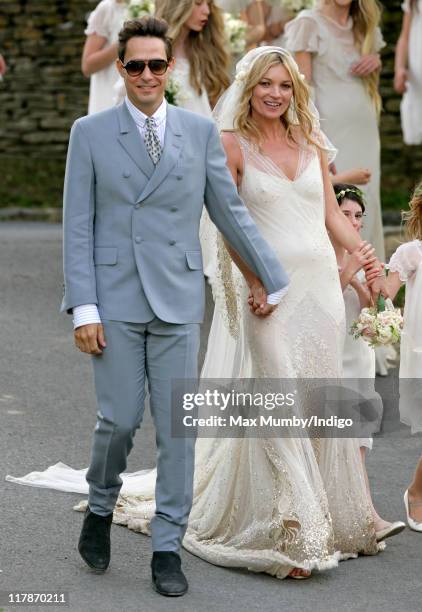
(342, 194)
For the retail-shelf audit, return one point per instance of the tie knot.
(150, 122)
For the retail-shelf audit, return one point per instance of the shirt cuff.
(275, 298)
(86, 314)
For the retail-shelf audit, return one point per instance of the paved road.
(47, 412)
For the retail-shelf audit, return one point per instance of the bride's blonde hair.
(206, 51)
(244, 122)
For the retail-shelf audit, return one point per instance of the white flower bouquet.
(173, 94)
(140, 8)
(379, 325)
(235, 33)
(295, 6)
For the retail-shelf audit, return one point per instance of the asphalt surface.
(47, 412)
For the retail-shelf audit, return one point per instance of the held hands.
(90, 338)
(362, 257)
(258, 301)
(376, 280)
(367, 64)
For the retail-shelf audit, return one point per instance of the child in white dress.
(408, 71)
(358, 356)
(406, 267)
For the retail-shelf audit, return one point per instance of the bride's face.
(271, 96)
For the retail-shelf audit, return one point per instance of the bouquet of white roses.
(295, 6)
(140, 8)
(380, 325)
(235, 33)
(173, 93)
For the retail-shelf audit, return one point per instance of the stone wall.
(44, 91)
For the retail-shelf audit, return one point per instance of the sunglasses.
(136, 67)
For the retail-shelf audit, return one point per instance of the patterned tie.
(152, 142)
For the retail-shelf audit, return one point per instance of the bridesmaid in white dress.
(406, 267)
(100, 53)
(278, 505)
(358, 356)
(408, 71)
(336, 46)
(201, 71)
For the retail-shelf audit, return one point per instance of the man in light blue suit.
(136, 180)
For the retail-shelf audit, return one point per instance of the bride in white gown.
(274, 504)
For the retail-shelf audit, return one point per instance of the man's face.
(145, 91)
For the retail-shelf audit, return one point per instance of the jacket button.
(179, 178)
(138, 239)
(126, 174)
(174, 209)
(137, 206)
(172, 242)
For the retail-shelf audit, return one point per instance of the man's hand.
(258, 301)
(90, 338)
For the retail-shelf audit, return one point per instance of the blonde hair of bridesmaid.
(413, 216)
(206, 51)
(299, 106)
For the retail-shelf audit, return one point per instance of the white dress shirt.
(88, 313)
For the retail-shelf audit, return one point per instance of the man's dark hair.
(147, 26)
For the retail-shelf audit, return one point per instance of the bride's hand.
(257, 301)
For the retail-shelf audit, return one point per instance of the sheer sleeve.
(303, 34)
(406, 260)
(379, 42)
(99, 21)
(406, 6)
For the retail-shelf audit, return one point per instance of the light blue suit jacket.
(131, 230)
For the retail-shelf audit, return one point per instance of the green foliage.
(395, 199)
(29, 182)
(400, 297)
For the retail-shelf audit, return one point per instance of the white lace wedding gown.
(270, 504)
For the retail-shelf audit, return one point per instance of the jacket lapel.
(132, 142)
(173, 143)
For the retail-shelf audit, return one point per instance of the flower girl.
(358, 356)
(406, 267)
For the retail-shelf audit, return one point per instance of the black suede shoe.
(167, 576)
(94, 541)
